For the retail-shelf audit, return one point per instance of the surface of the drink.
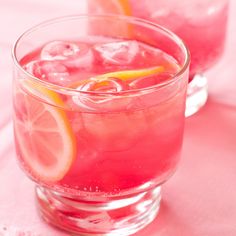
(99, 143)
(66, 63)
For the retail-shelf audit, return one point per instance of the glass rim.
(130, 19)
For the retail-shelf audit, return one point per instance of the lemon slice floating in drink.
(45, 138)
(124, 75)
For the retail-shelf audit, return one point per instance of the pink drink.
(200, 23)
(114, 137)
(99, 129)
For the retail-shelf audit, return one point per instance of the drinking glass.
(200, 23)
(98, 157)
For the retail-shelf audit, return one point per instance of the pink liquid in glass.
(121, 142)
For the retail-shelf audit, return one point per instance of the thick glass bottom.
(197, 94)
(114, 217)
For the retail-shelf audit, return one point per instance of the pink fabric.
(200, 199)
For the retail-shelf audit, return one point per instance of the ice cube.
(102, 102)
(72, 54)
(59, 50)
(118, 53)
(104, 85)
(50, 71)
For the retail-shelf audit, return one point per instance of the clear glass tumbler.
(98, 154)
(201, 24)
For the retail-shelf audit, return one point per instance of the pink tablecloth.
(200, 200)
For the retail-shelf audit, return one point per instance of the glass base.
(197, 94)
(113, 217)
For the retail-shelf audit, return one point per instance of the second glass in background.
(200, 23)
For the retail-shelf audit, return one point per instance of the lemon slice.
(44, 138)
(111, 6)
(123, 75)
(132, 74)
(119, 27)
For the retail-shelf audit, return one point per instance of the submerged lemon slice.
(132, 74)
(123, 75)
(44, 136)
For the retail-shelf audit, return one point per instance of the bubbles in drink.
(50, 71)
(118, 53)
(72, 54)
